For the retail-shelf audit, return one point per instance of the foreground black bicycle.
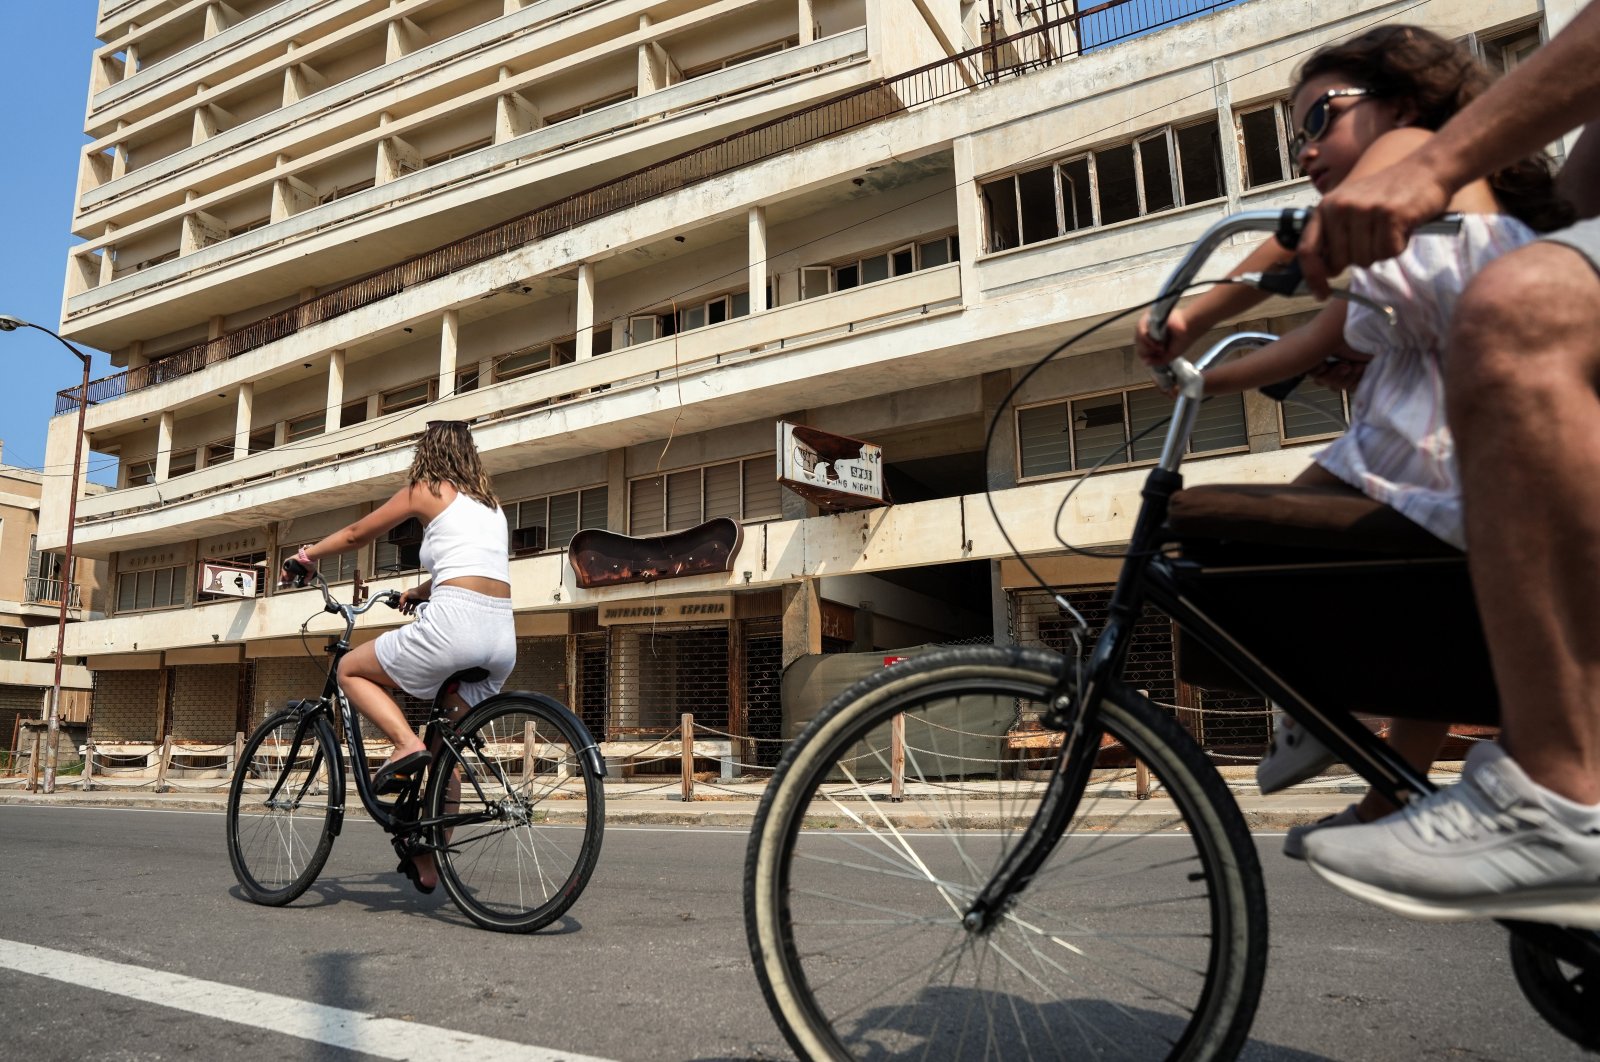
(987, 892)
(512, 807)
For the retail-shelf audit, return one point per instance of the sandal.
(408, 867)
(395, 776)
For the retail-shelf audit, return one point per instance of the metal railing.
(1018, 53)
(41, 591)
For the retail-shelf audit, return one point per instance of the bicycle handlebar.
(301, 574)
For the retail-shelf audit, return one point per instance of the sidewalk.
(734, 805)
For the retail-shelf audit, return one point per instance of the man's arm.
(1367, 220)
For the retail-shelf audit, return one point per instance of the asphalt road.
(650, 965)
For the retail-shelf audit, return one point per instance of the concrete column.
(164, 446)
(1232, 170)
(806, 15)
(969, 218)
(757, 225)
(1002, 470)
(335, 390)
(241, 420)
(802, 620)
(108, 257)
(449, 342)
(584, 322)
(617, 491)
(136, 355)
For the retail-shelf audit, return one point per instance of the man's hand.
(1367, 220)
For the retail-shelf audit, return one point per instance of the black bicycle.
(987, 886)
(512, 806)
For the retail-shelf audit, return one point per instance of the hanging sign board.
(229, 580)
(833, 471)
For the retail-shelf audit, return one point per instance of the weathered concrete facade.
(692, 219)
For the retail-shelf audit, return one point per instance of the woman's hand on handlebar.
(294, 573)
(1341, 373)
(410, 599)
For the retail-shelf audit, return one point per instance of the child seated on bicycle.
(468, 620)
(1360, 106)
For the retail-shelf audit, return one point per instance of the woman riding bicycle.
(467, 621)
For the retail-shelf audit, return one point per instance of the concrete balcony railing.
(784, 82)
(241, 491)
(363, 97)
(265, 31)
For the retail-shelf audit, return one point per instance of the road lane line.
(350, 1029)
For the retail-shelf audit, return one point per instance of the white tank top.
(467, 538)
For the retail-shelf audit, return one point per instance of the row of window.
(1128, 426)
(1175, 165)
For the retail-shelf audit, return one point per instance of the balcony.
(581, 407)
(40, 591)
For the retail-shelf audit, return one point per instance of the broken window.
(1200, 162)
(1263, 135)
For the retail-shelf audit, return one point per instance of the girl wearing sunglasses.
(1358, 107)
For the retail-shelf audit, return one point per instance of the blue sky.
(44, 83)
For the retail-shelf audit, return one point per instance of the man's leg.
(1521, 375)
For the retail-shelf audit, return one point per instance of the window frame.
(180, 575)
(1074, 468)
(666, 476)
(1283, 123)
(1167, 133)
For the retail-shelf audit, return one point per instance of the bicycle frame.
(1150, 577)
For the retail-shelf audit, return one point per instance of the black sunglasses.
(1319, 118)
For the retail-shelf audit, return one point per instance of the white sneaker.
(1496, 845)
(1294, 842)
(1294, 756)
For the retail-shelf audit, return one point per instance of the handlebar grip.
(297, 572)
(1283, 279)
(391, 598)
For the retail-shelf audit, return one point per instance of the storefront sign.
(668, 610)
(833, 471)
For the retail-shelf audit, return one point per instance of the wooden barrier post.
(161, 765)
(897, 757)
(238, 749)
(88, 766)
(33, 765)
(1141, 780)
(529, 754)
(686, 760)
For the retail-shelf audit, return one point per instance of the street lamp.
(53, 740)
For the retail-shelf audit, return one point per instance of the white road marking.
(349, 1029)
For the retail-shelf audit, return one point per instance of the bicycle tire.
(279, 835)
(859, 944)
(1564, 994)
(531, 852)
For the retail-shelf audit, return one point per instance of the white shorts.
(454, 630)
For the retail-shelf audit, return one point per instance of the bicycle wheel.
(1143, 936)
(1563, 993)
(534, 813)
(283, 807)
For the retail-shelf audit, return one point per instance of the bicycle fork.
(1076, 713)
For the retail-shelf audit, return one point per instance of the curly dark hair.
(1432, 78)
(445, 454)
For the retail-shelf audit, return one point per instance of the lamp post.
(53, 738)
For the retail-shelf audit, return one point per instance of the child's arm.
(1185, 323)
(1298, 352)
